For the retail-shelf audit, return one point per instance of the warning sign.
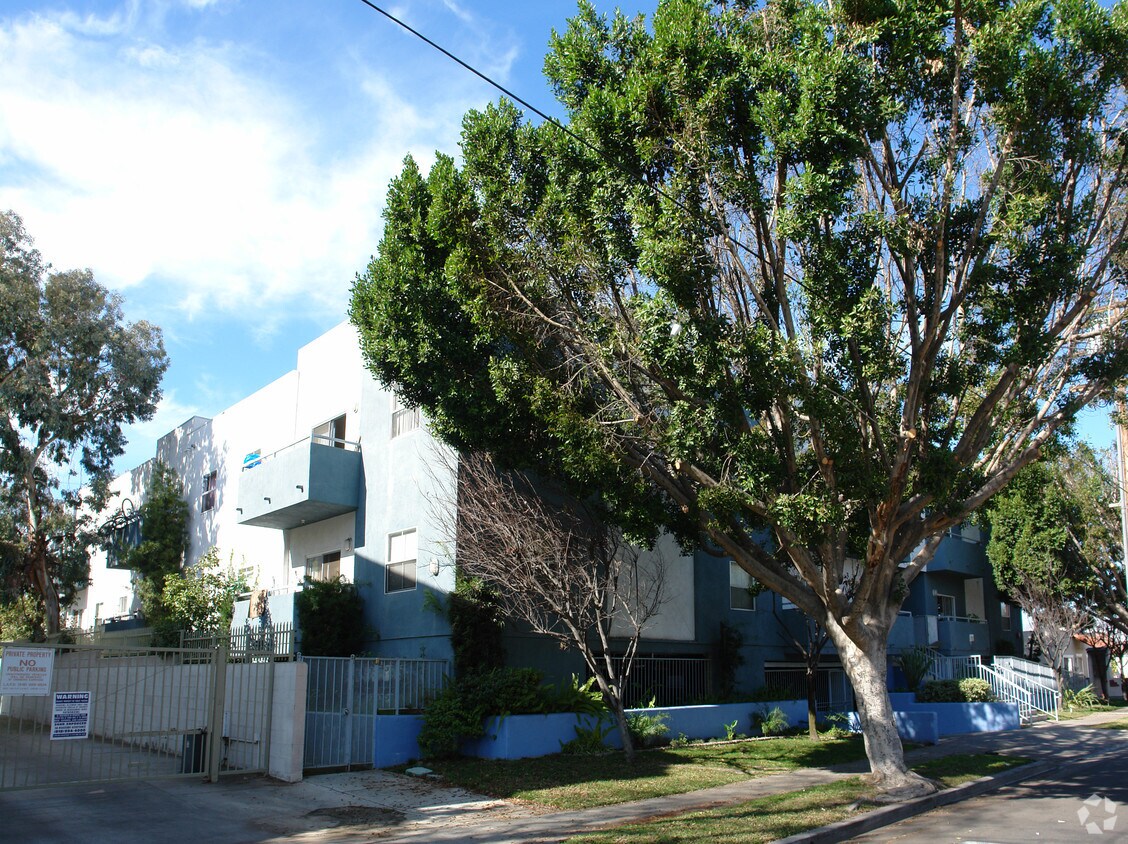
(70, 716)
(26, 671)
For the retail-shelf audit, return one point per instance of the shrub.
(646, 729)
(968, 690)
(1084, 698)
(915, 663)
(770, 722)
(729, 659)
(975, 690)
(772, 691)
(582, 698)
(940, 691)
(476, 628)
(459, 713)
(588, 742)
(331, 618)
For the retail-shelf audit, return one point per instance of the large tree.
(833, 271)
(73, 372)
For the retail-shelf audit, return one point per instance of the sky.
(223, 163)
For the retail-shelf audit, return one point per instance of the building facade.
(322, 473)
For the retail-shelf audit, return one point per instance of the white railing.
(1031, 697)
(954, 667)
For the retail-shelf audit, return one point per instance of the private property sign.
(26, 671)
(70, 716)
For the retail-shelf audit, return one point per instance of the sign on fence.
(26, 671)
(70, 716)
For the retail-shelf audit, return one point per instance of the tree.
(1055, 620)
(72, 374)
(164, 542)
(200, 599)
(1056, 544)
(810, 645)
(553, 562)
(834, 272)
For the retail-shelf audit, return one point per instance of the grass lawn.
(1122, 724)
(781, 815)
(577, 782)
(1069, 713)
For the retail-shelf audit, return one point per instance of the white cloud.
(174, 162)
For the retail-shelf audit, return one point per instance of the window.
(123, 605)
(945, 605)
(404, 418)
(97, 614)
(401, 562)
(207, 501)
(331, 432)
(1005, 614)
(324, 566)
(741, 596)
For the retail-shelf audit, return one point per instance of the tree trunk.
(812, 704)
(866, 669)
(45, 586)
(615, 703)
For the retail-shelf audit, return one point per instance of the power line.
(622, 168)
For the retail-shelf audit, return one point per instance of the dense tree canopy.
(72, 373)
(833, 271)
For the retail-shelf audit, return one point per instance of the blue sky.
(223, 163)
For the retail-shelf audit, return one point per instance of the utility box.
(195, 750)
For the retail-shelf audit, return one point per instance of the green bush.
(582, 698)
(648, 729)
(1084, 698)
(968, 690)
(915, 663)
(940, 691)
(772, 691)
(459, 713)
(331, 618)
(589, 742)
(975, 690)
(771, 722)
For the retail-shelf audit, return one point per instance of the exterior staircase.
(1029, 684)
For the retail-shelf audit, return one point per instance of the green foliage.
(1084, 698)
(730, 731)
(804, 277)
(476, 628)
(916, 663)
(940, 691)
(975, 690)
(589, 741)
(73, 373)
(160, 554)
(967, 690)
(729, 659)
(582, 698)
(459, 713)
(771, 722)
(770, 692)
(331, 618)
(648, 729)
(200, 599)
(21, 620)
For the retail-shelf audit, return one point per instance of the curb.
(886, 815)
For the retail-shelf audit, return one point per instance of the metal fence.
(274, 641)
(99, 713)
(669, 681)
(345, 694)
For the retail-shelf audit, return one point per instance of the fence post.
(215, 722)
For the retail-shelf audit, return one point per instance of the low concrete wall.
(921, 727)
(523, 736)
(956, 718)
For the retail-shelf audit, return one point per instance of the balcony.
(312, 480)
(959, 635)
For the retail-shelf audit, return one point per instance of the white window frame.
(404, 418)
(400, 564)
(740, 581)
(319, 566)
(939, 612)
(209, 497)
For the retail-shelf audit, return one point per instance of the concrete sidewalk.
(381, 806)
